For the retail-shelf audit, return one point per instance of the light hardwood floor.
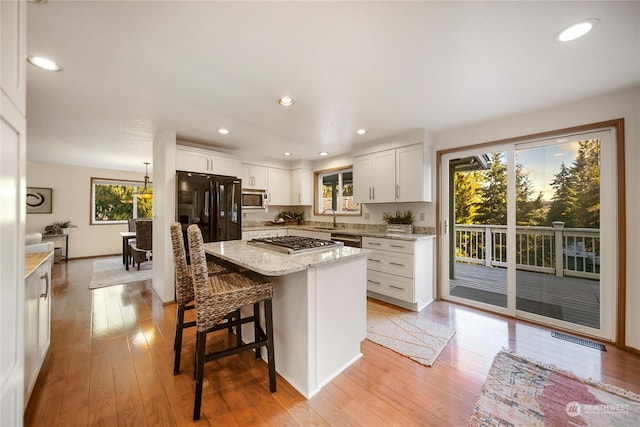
(111, 364)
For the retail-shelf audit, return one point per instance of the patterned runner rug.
(111, 271)
(520, 392)
(406, 333)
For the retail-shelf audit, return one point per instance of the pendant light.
(146, 192)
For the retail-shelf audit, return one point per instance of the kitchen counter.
(272, 263)
(352, 231)
(34, 260)
(319, 308)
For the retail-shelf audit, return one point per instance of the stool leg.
(177, 344)
(268, 314)
(199, 373)
(238, 329)
(256, 326)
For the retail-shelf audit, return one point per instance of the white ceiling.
(133, 69)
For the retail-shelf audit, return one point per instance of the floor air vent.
(577, 340)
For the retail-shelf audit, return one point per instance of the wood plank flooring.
(111, 364)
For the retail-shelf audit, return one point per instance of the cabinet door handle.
(375, 244)
(397, 246)
(373, 281)
(374, 260)
(396, 287)
(397, 263)
(369, 193)
(397, 191)
(373, 192)
(45, 276)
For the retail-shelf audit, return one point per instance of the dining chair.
(141, 249)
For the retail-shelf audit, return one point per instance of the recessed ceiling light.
(287, 154)
(285, 101)
(577, 30)
(323, 153)
(223, 131)
(44, 63)
(361, 131)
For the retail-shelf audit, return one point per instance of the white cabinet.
(279, 186)
(413, 173)
(12, 183)
(373, 177)
(302, 187)
(254, 177)
(397, 175)
(260, 234)
(12, 66)
(400, 271)
(37, 323)
(195, 160)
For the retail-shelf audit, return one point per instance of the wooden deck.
(571, 299)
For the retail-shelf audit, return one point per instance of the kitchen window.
(334, 190)
(115, 201)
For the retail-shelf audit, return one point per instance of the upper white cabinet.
(397, 175)
(302, 187)
(13, 45)
(374, 177)
(195, 160)
(254, 176)
(413, 173)
(279, 186)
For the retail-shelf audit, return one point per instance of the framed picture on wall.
(39, 200)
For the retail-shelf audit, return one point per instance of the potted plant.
(400, 222)
(59, 227)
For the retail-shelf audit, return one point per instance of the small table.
(46, 237)
(126, 236)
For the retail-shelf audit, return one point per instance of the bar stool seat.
(184, 289)
(219, 296)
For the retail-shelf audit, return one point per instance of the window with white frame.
(334, 190)
(115, 201)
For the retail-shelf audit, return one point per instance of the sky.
(543, 163)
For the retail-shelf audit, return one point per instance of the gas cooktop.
(294, 244)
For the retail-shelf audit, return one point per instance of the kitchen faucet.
(334, 215)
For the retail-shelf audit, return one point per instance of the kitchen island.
(319, 308)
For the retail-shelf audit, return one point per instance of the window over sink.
(334, 190)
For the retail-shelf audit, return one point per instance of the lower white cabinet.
(400, 271)
(37, 323)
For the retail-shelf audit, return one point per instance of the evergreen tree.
(586, 180)
(493, 206)
(467, 197)
(563, 205)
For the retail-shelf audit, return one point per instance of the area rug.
(521, 392)
(111, 271)
(406, 333)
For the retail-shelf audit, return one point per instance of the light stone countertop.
(345, 231)
(34, 260)
(272, 263)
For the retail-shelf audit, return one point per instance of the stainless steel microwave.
(254, 199)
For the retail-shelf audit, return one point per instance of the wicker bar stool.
(218, 296)
(184, 289)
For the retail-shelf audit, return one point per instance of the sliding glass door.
(530, 230)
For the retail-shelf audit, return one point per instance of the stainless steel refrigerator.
(213, 202)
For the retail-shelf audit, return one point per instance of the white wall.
(72, 201)
(623, 104)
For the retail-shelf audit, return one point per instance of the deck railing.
(536, 248)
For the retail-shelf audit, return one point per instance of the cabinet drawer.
(402, 246)
(390, 285)
(391, 262)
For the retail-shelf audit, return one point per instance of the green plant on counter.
(64, 224)
(292, 216)
(399, 217)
